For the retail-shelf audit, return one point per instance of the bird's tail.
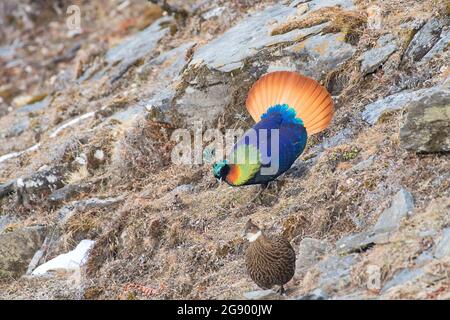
(311, 102)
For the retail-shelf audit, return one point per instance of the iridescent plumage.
(287, 107)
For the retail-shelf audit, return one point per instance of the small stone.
(363, 165)
(6, 188)
(317, 294)
(184, 188)
(6, 220)
(99, 154)
(66, 193)
(401, 206)
(263, 295)
(443, 245)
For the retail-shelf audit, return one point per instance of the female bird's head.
(252, 231)
(221, 169)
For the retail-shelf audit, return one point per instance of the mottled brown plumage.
(270, 260)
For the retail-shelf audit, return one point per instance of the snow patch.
(71, 260)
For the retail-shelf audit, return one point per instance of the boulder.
(17, 248)
(427, 124)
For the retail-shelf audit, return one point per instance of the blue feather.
(292, 139)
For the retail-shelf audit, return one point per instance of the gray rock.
(310, 251)
(317, 294)
(17, 248)
(335, 272)
(18, 126)
(363, 165)
(337, 139)
(121, 57)
(229, 51)
(202, 105)
(6, 188)
(427, 124)
(184, 188)
(321, 53)
(425, 39)
(402, 277)
(32, 188)
(5, 220)
(130, 114)
(360, 241)
(317, 4)
(69, 210)
(375, 57)
(443, 245)
(358, 295)
(373, 111)
(35, 107)
(295, 3)
(331, 142)
(213, 13)
(423, 258)
(176, 60)
(67, 192)
(164, 90)
(262, 295)
(440, 47)
(401, 206)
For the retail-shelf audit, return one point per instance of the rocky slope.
(86, 118)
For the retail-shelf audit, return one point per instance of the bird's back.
(270, 261)
(278, 141)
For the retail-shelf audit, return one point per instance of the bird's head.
(252, 231)
(221, 169)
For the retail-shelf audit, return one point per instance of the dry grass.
(349, 22)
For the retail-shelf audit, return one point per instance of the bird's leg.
(281, 291)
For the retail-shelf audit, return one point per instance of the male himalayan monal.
(297, 106)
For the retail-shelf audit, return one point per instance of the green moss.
(350, 155)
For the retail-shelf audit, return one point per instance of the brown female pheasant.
(270, 260)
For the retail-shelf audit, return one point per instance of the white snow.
(71, 260)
